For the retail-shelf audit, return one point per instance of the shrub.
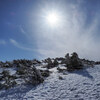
(5, 73)
(74, 62)
(30, 75)
(60, 77)
(45, 73)
(20, 71)
(60, 70)
(55, 63)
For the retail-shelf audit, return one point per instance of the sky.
(26, 33)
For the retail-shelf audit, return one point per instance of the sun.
(52, 18)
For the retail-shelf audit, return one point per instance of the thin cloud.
(22, 30)
(18, 45)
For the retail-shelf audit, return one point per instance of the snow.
(1, 69)
(59, 61)
(41, 68)
(11, 70)
(61, 66)
(19, 81)
(54, 70)
(78, 85)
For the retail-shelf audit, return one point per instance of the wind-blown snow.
(79, 85)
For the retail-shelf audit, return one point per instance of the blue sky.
(24, 32)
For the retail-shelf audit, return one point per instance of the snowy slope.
(79, 85)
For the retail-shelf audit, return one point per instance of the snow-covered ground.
(79, 85)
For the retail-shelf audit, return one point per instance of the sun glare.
(52, 18)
